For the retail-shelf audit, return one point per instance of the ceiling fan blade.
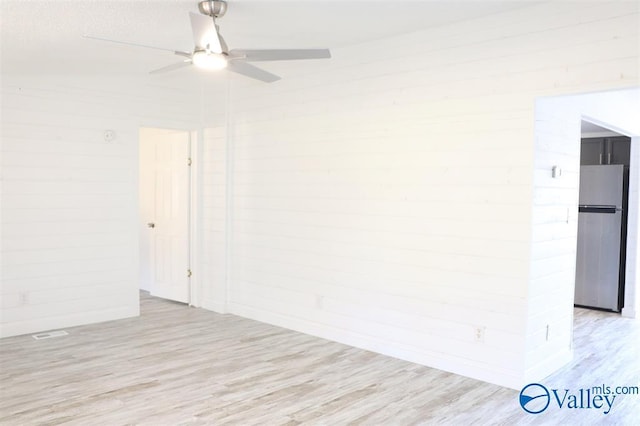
(255, 55)
(171, 67)
(205, 33)
(127, 43)
(252, 71)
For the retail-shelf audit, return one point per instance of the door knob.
(151, 225)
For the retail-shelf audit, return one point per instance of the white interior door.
(169, 225)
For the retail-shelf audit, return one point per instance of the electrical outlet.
(319, 302)
(109, 135)
(23, 298)
(480, 334)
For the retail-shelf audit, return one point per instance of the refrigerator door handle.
(598, 209)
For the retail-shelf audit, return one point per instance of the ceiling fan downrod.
(213, 8)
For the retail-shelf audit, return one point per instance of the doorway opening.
(605, 158)
(165, 213)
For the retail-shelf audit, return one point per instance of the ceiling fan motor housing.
(214, 8)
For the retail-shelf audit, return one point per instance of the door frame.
(194, 208)
(195, 218)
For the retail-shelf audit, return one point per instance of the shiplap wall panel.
(214, 214)
(386, 200)
(69, 199)
(72, 279)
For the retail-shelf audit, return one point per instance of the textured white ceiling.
(46, 35)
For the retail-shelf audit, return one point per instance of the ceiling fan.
(211, 52)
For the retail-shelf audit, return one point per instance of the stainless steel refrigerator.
(600, 219)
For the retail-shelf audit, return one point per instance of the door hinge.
(189, 273)
(188, 161)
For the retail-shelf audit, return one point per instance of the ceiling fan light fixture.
(213, 8)
(209, 61)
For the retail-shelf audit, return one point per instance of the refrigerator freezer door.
(598, 260)
(601, 185)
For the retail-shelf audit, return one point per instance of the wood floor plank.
(181, 366)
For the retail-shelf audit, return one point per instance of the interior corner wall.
(387, 201)
(555, 218)
(70, 198)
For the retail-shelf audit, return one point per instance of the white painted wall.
(632, 294)
(69, 199)
(387, 200)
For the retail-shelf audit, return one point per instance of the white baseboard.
(628, 313)
(215, 306)
(548, 366)
(53, 323)
(506, 378)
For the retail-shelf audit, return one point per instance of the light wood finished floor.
(178, 365)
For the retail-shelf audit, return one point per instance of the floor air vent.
(49, 334)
